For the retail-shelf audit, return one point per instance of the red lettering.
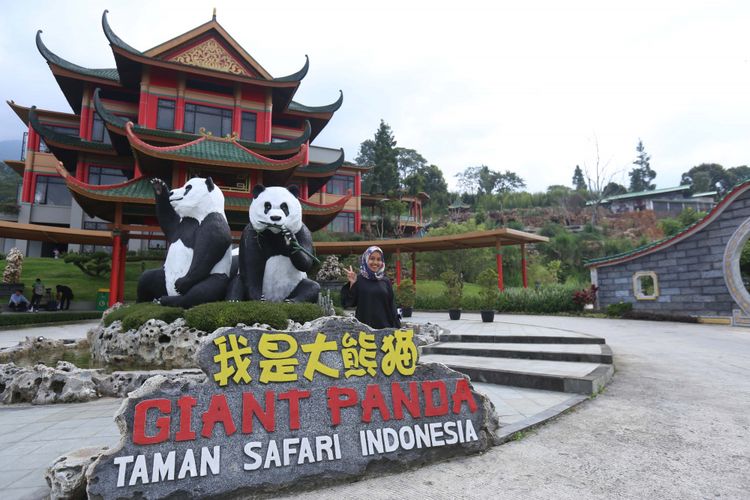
(294, 396)
(250, 407)
(185, 404)
(430, 408)
(162, 423)
(374, 400)
(335, 401)
(218, 411)
(463, 394)
(399, 399)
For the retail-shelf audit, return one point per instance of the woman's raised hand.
(351, 275)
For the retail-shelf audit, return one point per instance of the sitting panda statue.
(199, 258)
(275, 250)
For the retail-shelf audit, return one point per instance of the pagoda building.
(196, 105)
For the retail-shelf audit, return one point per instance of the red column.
(414, 268)
(28, 181)
(121, 282)
(499, 255)
(523, 266)
(398, 267)
(114, 276)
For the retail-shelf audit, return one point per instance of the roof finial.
(214, 16)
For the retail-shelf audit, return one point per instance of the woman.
(371, 292)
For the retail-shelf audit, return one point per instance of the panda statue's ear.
(294, 189)
(210, 184)
(259, 188)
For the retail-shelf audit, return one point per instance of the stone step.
(522, 339)
(561, 376)
(587, 353)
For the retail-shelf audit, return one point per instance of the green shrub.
(135, 315)
(209, 317)
(619, 310)
(455, 287)
(406, 294)
(302, 312)
(488, 295)
(549, 299)
(30, 319)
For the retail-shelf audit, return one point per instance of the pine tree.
(381, 155)
(579, 182)
(642, 175)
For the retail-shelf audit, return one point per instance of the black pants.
(35, 299)
(19, 308)
(64, 303)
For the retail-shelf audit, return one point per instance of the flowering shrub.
(583, 297)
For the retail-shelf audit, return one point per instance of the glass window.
(101, 176)
(343, 223)
(51, 191)
(99, 133)
(98, 226)
(340, 184)
(218, 121)
(165, 114)
(249, 122)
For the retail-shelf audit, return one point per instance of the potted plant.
(488, 294)
(455, 291)
(406, 295)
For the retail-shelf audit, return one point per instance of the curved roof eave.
(328, 108)
(114, 39)
(298, 76)
(52, 58)
(75, 143)
(324, 169)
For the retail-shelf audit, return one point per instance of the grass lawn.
(434, 287)
(56, 272)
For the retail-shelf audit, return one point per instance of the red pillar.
(121, 276)
(114, 275)
(414, 268)
(523, 266)
(398, 267)
(499, 255)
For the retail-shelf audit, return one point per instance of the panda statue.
(275, 250)
(199, 258)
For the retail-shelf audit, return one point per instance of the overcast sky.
(524, 86)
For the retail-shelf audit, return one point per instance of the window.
(249, 121)
(165, 114)
(340, 184)
(343, 223)
(98, 226)
(99, 132)
(218, 121)
(645, 285)
(227, 181)
(101, 176)
(51, 191)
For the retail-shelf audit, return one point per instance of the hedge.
(209, 317)
(135, 315)
(549, 299)
(31, 319)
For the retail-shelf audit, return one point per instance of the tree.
(92, 264)
(613, 189)
(430, 180)
(707, 177)
(598, 176)
(579, 182)
(483, 181)
(409, 161)
(381, 154)
(642, 175)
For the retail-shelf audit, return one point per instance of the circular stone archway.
(732, 274)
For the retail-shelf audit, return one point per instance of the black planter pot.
(487, 316)
(454, 313)
(406, 312)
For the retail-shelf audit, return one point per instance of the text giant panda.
(199, 258)
(275, 250)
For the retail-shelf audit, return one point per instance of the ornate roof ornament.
(209, 54)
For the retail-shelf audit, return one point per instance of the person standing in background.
(64, 296)
(36, 295)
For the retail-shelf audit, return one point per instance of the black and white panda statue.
(276, 250)
(199, 258)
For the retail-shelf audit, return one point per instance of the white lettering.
(162, 469)
(336, 447)
(272, 455)
(288, 450)
(409, 443)
(305, 452)
(452, 436)
(249, 447)
(374, 441)
(188, 465)
(423, 437)
(140, 471)
(471, 435)
(436, 434)
(390, 437)
(122, 462)
(210, 460)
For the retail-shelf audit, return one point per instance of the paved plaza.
(674, 423)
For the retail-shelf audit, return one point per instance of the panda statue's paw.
(159, 186)
(156, 301)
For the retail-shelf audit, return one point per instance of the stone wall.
(689, 267)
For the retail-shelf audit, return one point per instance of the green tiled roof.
(645, 193)
(216, 150)
(51, 135)
(329, 108)
(105, 73)
(114, 39)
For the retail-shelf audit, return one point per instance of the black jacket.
(374, 301)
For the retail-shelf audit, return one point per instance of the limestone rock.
(120, 384)
(66, 476)
(45, 385)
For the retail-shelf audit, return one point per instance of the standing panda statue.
(276, 250)
(199, 258)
